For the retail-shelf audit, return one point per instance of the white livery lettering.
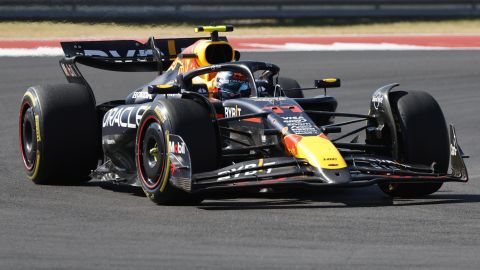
(250, 166)
(125, 123)
(130, 125)
(146, 95)
(300, 125)
(116, 54)
(177, 147)
(232, 111)
(377, 99)
(124, 116)
(230, 174)
(453, 150)
(139, 114)
(95, 53)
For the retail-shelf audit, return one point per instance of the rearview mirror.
(163, 89)
(327, 83)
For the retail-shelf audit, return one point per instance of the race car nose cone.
(336, 176)
(319, 151)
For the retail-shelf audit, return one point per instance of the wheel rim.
(151, 153)
(28, 142)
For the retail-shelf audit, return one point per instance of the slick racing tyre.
(287, 83)
(187, 119)
(59, 139)
(423, 139)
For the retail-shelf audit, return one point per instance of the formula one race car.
(211, 123)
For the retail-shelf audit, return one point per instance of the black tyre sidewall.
(161, 191)
(67, 127)
(423, 139)
(423, 131)
(29, 100)
(192, 122)
(288, 83)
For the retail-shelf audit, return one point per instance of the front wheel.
(187, 119)
(423, 139)
(288, 83)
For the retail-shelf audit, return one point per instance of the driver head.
(230, 85)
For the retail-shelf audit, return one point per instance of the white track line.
(339, 46)
(257, 47)
(40, 51)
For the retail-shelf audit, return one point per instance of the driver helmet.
(229, 84)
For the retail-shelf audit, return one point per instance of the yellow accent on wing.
(330, 80)
(164, 86)
(218, 28)
(171, 47)
(320, 152)
(260, 165)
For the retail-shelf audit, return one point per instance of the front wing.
(363, 170)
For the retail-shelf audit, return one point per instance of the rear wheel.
(423, 139)
(287, 83)
(191, 121)
(58, 133)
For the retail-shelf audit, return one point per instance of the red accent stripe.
(28, 44)
(139, 168)
(253, 120)
(449, 41)
(23, 109)
(322, 135)
(291, 141)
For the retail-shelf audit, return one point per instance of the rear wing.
(121, 55)
(127, 55)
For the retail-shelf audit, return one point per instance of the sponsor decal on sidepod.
(124, 116)
(145, 95)
(232, 111)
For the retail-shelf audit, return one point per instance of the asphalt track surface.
(100, 226)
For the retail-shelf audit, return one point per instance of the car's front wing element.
(363, 170)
